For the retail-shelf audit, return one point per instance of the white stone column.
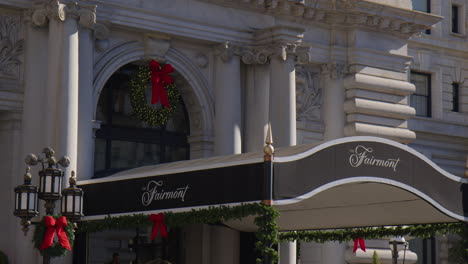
(283, 97)
(85, 161)
(225, 245)
(53, 81)
(68, 99)
(333, 100)
(227, 102)
(333, 252)
(288, 252)
(256, 107)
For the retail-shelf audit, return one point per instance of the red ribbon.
(55, 226)
(359, 242)
(159, 78)
(158, 225)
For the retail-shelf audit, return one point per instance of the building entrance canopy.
(348, 182)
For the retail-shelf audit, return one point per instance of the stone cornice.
(344, 13)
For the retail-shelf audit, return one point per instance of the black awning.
(353, 181)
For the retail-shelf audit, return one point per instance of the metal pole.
(395, 253)
(46, 259)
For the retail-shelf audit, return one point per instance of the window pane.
(176, 153)
(127, 154)
(99, 154)
(455, 19)
(455, 97)
(421, 100)
(421, 83)
(421, 5)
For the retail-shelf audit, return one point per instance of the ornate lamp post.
(50, 190)
(397, 244)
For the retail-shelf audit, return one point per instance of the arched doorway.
(123, 141)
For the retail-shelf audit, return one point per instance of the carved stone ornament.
(261, 54)
(156, 46)
(333, 70)
(11, 47)
(308, 95)
(225, 51)
(255, 55)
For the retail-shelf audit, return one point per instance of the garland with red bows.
(50, 228)
(163, 91)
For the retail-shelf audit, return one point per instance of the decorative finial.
(27, 175)
(268, 150)
(64, 161)
(50, 156)
(72, 179)
(31, 159)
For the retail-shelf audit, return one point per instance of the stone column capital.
(333, 70)
(281, 51)
(47, 10)
(225, 51)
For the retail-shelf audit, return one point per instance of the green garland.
(267, 234)
(459, 252)
(151, 116)
(424, 231)
(56, 250)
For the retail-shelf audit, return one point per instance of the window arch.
(125, 142)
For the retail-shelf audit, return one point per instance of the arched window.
(125, 142)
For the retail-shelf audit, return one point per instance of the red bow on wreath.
(55, 226)
(359, 242)
(159, 78)
(158, 224)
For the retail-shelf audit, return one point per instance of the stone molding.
(11, 46)
(343, 12)
(43, 12)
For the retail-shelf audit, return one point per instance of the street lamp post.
(396, 244)
(50, 190)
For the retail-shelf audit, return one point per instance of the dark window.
(423, 6)
(455, 97)
(455, 14)
(421, 99)
(125, 142)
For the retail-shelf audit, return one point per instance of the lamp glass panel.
(77, 204)
(17, 194)
(24, 201)
(57, 185)
(32, 201)
(70, 203)
(64, 202)
(81, 203)
(48, 184)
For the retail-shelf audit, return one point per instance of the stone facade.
(317, 70)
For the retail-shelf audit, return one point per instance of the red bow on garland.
(359, 242)
(55, 226)
(159, 78)
(158, 224)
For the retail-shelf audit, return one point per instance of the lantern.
(72, 200)
(26, 200)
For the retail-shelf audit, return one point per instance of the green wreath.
(56, 250)
(151, 116)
